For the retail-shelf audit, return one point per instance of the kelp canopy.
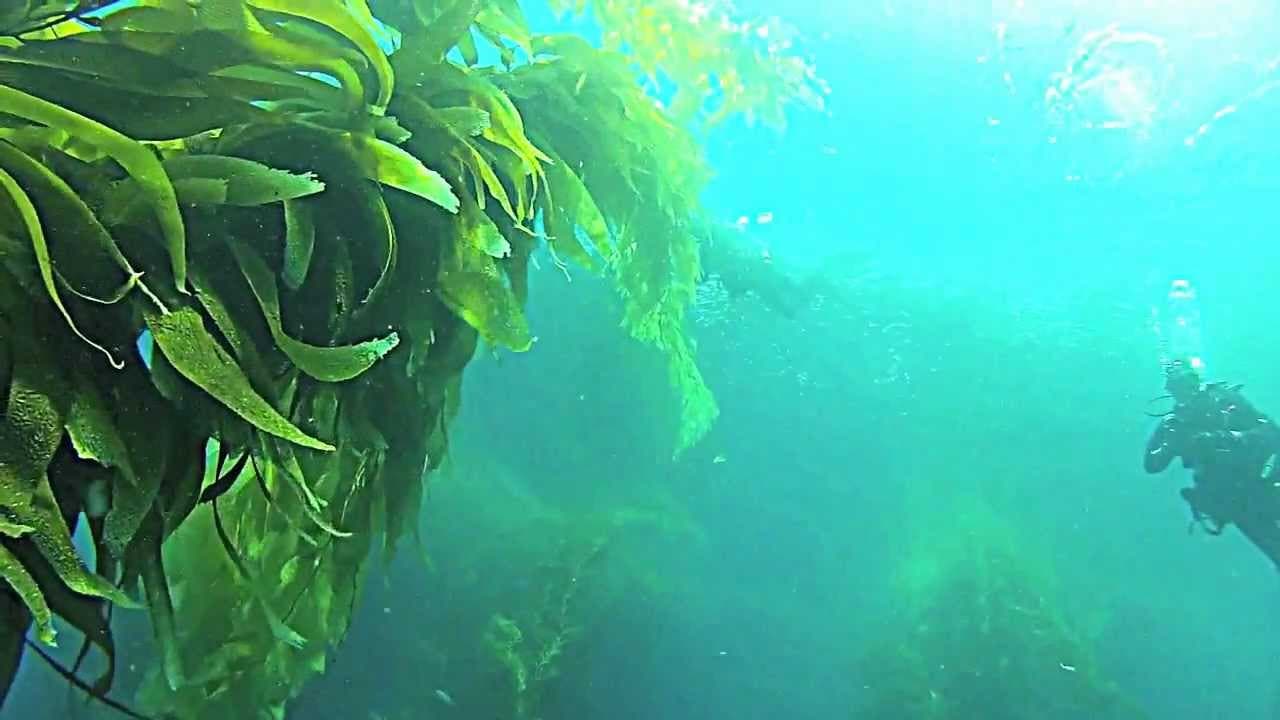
(316, 210)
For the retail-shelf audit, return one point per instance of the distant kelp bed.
(316, 211)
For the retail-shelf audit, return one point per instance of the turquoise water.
(991, 261)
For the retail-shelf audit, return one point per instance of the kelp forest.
(248, 249)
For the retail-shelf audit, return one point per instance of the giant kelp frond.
(270, 350)
(713, 62)
(634, 199)
(311, 234)
(437, 28)
(526, 139)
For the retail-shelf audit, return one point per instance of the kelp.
(530, 651)
(636, 198)
(151, 178)
(314, 217)
(983, 633)
(706, 61)
(546, 581)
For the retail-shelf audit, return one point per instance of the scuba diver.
(1231, 448)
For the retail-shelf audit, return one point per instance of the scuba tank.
(1177, 327)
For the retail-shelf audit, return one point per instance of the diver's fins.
(1263, 532)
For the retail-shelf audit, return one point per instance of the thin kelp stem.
(83, 686)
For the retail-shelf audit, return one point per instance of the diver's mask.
(1182, 380)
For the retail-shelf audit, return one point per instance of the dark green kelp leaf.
(382, 234)
(35, 233)
(17, 577)
(155, 585)
(93, 431)
(51, 535)
(352, 21)
(106, 64)
(129, 507)
(137, 115)
(88, 615)
(465, 121)
(299, 242)
(136, 159)
(467, 47)
(460, 126)
(286, 464)
(475, 288)
(212, 291)
(506, 126)
(392, 165)
(329, 364)
(248, 183)
(83, 254)
(190, 191)
(445, 24)
(194, 353)
(125, 427)
(279, 629)
(187, 455)
(569, 207)
(504, 20)
(30, 433)
(35, 139)
(482, 234)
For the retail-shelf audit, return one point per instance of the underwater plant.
(529, 652)
(983, 636)
(247, 249)
(527, 596)
(537, 638)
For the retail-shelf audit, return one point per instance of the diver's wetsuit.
(1230, 447)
